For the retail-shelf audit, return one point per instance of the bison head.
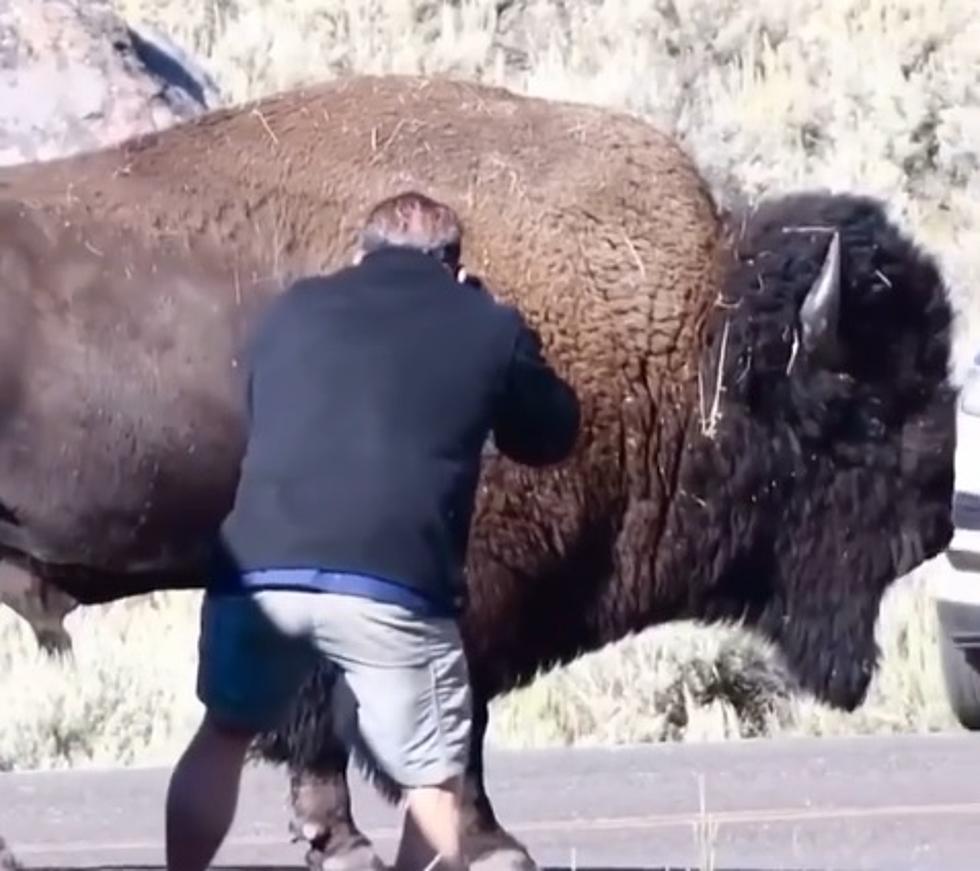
(823, 471)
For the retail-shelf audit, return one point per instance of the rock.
(73, 77)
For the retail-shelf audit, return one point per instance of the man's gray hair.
(413, 220)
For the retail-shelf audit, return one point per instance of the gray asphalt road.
(862, 803)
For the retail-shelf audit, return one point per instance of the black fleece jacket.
(371, 393)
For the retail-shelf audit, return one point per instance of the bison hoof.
(352, 854)
(498, 852)
(56, 643)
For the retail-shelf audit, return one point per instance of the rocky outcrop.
(73, 76)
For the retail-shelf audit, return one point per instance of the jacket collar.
(400, 256)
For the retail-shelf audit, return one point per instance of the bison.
(767, 411)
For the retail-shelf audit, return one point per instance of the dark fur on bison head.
(826, 471)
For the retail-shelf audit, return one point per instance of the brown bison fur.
(737, 462)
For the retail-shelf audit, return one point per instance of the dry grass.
(857, 94)
(682, 682)
(128, 695)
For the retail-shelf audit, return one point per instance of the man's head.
(413, 220)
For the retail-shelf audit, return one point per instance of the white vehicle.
(957, 587)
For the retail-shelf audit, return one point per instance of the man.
(371, 393)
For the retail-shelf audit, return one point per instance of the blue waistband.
(318, 580)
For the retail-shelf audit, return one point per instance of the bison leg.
(322, 813)
(486, 844)
(322, 818)
(40, 603)
(309, 743)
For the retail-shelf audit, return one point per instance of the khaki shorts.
(402, 679)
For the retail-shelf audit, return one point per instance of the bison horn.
(820, 312)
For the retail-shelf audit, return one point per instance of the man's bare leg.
(203, 795)
(431, 834)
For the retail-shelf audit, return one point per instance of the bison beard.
(825, 475)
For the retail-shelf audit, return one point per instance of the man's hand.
(538, 415)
